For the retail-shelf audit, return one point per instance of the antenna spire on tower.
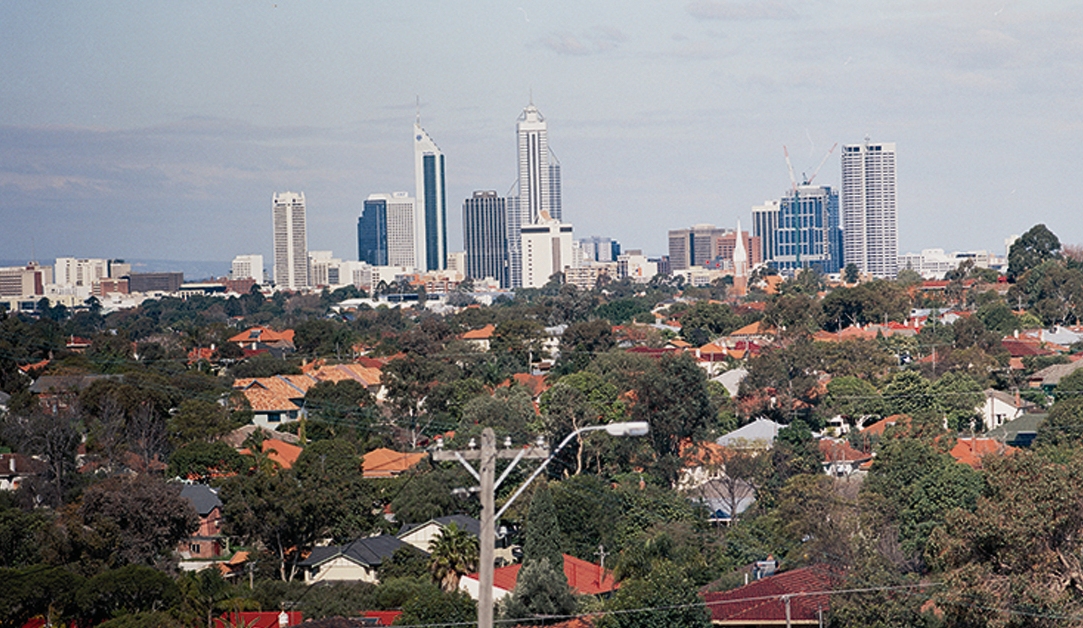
(418, 108)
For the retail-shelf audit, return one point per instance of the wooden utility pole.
(486, 475)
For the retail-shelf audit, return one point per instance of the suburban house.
(840, 459)
(1020, 432)
(255, 340)
(798, 598)
(732, 379)
(206, 542)
(759, 434)
(1048, 378)
(279, 452)
(970, 451)
(724, 498)
(277, 399)
(584, 577)
(58, 393)
(1000, 408)
(354, 562)
(419, 535)
(480, 338)
(387, 463)
(15, 468)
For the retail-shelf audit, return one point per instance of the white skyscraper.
(290, 240)
(869, 220)
(401, 222)
(538, 187)
(547, 249)
(247, 267)
(430, 220)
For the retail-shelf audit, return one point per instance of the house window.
(274, 417)
(194, 548)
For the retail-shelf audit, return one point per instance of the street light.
(486, 476)
(630, 428)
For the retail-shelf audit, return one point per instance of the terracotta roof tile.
(761, 603)
(386, 463)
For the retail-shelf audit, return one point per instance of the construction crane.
(793, 179)
(817, 170)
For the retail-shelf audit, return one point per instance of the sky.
(161, 130)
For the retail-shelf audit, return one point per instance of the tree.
(342, 407)
(664, 597)
(576, 401)
(540, 591)
(581, 341)
(200, 460)
(674, 400)
(430, 605)
(405, 562)
(908, 393)
(706, 320)
(197, 419)
(408, 381)
(128, 590)
(851, 273)
(542, 534)
(852, 398)
(1037, 245)
(917, 488)
(1019, 549)
(135, 520)
(452, 554)
(1064, 425)
(1070, 386)
(958, 398)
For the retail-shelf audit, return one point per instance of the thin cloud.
(736, 11)
(597, 40)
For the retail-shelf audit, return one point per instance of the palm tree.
(452, 553)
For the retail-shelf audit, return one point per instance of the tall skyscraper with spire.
(539, 188)
(430, 230)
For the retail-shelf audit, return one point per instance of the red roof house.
(584, 577)
(764, 602)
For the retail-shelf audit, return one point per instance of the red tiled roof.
(265, 335)
(760, 602)
(364, 375)
(484, 333)
(877, 429)
(386, 463)
(1022, 348)
(534, 383)
(840, 451)
(970, 451)
(582, 577)
(26, 368)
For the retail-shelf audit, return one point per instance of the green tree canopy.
(1037, 245)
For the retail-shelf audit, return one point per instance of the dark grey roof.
(465, 522)
(1019, 432)
(370, 551)
(66, 383)
(4, 398)
(203, 497)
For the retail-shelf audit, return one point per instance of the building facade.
(869, 218)
(290, 240)
(430, 229)
(485, 237)
(372, 231)
(247, 267)
(25, 281)
(538, 188)
(599, 249)
(807, 232)
(547, 249)
(689, 248)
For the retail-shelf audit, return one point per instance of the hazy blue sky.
(161, 129)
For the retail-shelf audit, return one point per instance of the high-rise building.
(247, 267)
(869, 219)
(547, 249)
(538, 187)
(599, 249)
(485, 237)
(554, 187)
(70, 271)
(372, 231)
(689, 248)
(430, 230)
(401, 219)
(290, 240)
(800, 230)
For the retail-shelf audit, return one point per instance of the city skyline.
(157, 132)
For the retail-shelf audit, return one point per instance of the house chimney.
(11, 463)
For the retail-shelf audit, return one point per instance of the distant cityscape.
(522, 239)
